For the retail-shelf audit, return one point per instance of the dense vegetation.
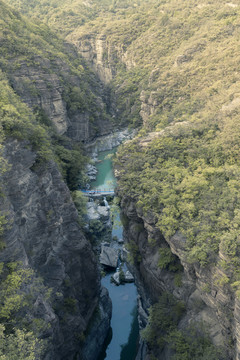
(192, 343)
(179, 66)
(186, 172)
(65, 16)
(19, 329)
(26, 48)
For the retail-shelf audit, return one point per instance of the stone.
(108, 142)
(109, 256)
(97, 212)
(116, 277)
(128, 277)
(91, 172)
(45, 235)
(206, 301)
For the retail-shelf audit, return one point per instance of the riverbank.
(108, 142)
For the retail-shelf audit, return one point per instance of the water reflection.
(129, 350)
(121, 343)
(124, 321)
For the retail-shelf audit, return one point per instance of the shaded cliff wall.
(45, 235)
(206, 300)
(43, 231)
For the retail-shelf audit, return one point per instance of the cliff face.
(43, 231)
(97, 52)
(45, 236)
(206, 300)
(50, 85)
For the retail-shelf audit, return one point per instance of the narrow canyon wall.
(206, 300)
(52, 86)
(45, 235)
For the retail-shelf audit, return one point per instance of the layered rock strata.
(46, 84)
(205, 299)
(45, 235)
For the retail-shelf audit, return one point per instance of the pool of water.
(105, 176)
(123, 337)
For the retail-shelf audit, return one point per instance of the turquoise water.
(117, 227)
(105, 177)
(123, 337)
(123, 344)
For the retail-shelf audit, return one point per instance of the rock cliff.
(45, 236)
(206, 299)
(52, 86)
(63, 97)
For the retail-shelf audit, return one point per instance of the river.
(123, 337)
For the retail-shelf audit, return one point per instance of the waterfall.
(106, 203)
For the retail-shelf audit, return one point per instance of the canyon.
(139, 65)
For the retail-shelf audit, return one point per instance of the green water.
(105, 177)
(124, 325)
(123, 337)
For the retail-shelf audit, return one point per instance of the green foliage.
(193, 344)
(28, 48)
(17, 121)
(166, 258)
(19, 287)
(163, 318)
(80, 202)
(70, 305)
(19, 331)
(75, 100)
(72, 162)
(178, 280)
(20, 345)
(188, 182)
(95, 227)
(133, 256)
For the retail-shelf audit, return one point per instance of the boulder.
(124, 277)
(108, 256)
(128, 276)
(116, 277)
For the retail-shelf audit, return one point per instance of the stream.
(122, 342)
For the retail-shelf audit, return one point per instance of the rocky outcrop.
(200, 288)
(51, 85)
(97, 52)
(45, 236)
(149, 104)
(108, 142)
(98, 223)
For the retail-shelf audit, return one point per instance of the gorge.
(73, 76)
(124, 326)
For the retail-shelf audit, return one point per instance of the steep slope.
(65, 16)
(49, 75)
(50, 283)
(88, 24)
(174, 67)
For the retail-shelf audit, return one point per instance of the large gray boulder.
(109, 256)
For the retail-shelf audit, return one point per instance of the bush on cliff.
(192, 343)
